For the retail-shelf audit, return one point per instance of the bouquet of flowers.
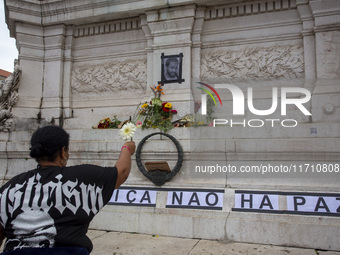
(108, 123)
(156, 113)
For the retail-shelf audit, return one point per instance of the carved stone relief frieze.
(253, 63)
(9, 97)
(114, 77)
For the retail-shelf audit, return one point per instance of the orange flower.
(158, 88)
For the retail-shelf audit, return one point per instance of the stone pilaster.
(41, 55)
(326, 96)
(308, 40)
(197, 43)
(149, 38)
(171, 33)
(68, 62)
(30, 43)
(54, 38)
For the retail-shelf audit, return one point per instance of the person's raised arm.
(123, 163)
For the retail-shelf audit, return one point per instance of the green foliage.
(114, 122)
(155, 114)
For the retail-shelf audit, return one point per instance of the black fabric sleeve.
(103, 177)
(108, 176)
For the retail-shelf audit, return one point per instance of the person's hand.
(132, 146)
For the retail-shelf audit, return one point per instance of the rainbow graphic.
(209, 93)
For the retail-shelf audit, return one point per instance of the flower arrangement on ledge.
(152, 114)
(108, 123)
(156, 113)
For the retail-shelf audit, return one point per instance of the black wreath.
(177, 167)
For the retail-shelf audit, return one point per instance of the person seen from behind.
(48, 210)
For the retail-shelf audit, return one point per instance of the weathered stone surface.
(130, 243)
(214, 247)
(86, 60)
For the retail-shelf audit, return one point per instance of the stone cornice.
(78, 11)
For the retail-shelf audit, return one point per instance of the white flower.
(127, 131)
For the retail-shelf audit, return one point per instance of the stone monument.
(266, 171)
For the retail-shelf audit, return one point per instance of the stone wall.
(85, 60)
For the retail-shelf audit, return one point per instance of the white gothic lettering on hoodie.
(33, 195)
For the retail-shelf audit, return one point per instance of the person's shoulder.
(18, 179)
(89, 171)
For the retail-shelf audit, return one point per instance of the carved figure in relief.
(9, 97)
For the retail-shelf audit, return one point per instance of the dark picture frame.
(171, 67)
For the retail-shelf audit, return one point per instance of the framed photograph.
(171, 69)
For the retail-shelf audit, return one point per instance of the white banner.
(317, 204)
(324, 204)
(257, 201)
(212, 200)
(131, 196)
